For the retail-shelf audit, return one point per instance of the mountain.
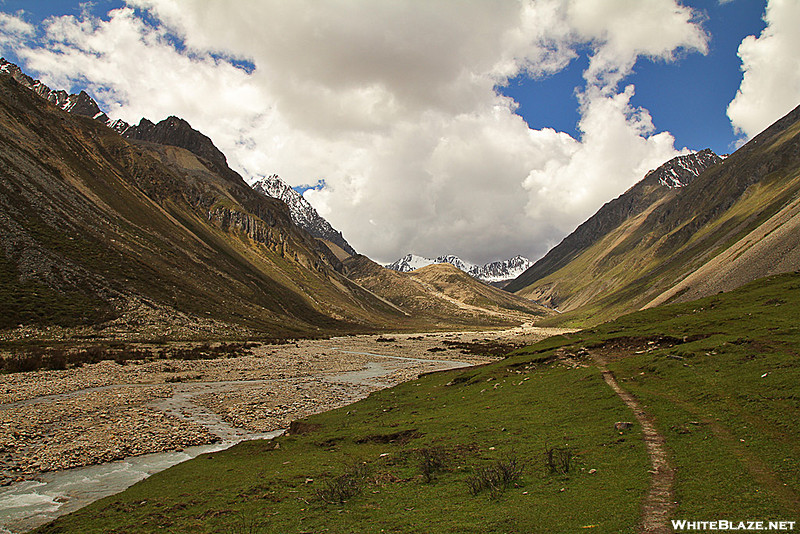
(410, 262)
(112, 231)
(174, 131)
(496, 273)
(501, 272)
(735, 221)
(130, 239)
(440, 292)
(657, 186)
(304, 215)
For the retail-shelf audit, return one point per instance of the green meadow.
(526, 444)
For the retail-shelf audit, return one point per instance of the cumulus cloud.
(13, 29)
(770, 86)
(393, 104)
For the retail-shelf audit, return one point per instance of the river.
(31, 503)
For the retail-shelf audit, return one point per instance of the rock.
(623, 425)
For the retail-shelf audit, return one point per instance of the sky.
(481, 128)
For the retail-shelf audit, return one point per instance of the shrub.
(430, 462)
(345, 486)
(496, 478)
(559, 460)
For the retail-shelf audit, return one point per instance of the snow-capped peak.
(303, 214)
(496, 272)
(410, 262)
(681, 170)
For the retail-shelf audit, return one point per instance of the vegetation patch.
(344, 487)
(483, 348)
(59, 358)
(496, 478)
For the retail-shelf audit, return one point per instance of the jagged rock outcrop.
(173, 131)
(303, 214)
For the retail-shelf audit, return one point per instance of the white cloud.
(770, 87)
(393, 104)
(13, 30)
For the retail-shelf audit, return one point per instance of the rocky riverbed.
(55, 420)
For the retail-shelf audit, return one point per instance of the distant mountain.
(410, 262)
(441, 292)
(501, 271)
(303, 214)
(694, 227)
(496, 272)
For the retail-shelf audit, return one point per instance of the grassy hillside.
(734, 223)
(720, 377)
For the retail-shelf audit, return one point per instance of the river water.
(31, 503)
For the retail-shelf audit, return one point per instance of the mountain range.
(497, 273)
(697, 225)
(113, 231)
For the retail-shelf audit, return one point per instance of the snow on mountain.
(496, 272)
(303, 214)
(502, 271)
(410, 262)
(680, 171)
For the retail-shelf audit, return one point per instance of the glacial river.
(31, 503)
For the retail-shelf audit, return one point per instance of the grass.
(526, 444)
(491, 415)
(727, 399)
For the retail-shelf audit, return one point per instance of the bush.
(345, 486)
(559, 460)
(430, 462)
(496, 478)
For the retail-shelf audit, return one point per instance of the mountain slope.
(141, 239)
(441, 293)
(303, 214)
(657, 186)
(669, 250)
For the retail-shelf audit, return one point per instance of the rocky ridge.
(303, 214)
(175, 131)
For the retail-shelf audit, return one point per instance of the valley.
(716, 386)
(184, 351)
(57, 420)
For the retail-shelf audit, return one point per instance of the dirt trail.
(659, 503)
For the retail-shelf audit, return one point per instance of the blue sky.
(398, 114)
(688, 97)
